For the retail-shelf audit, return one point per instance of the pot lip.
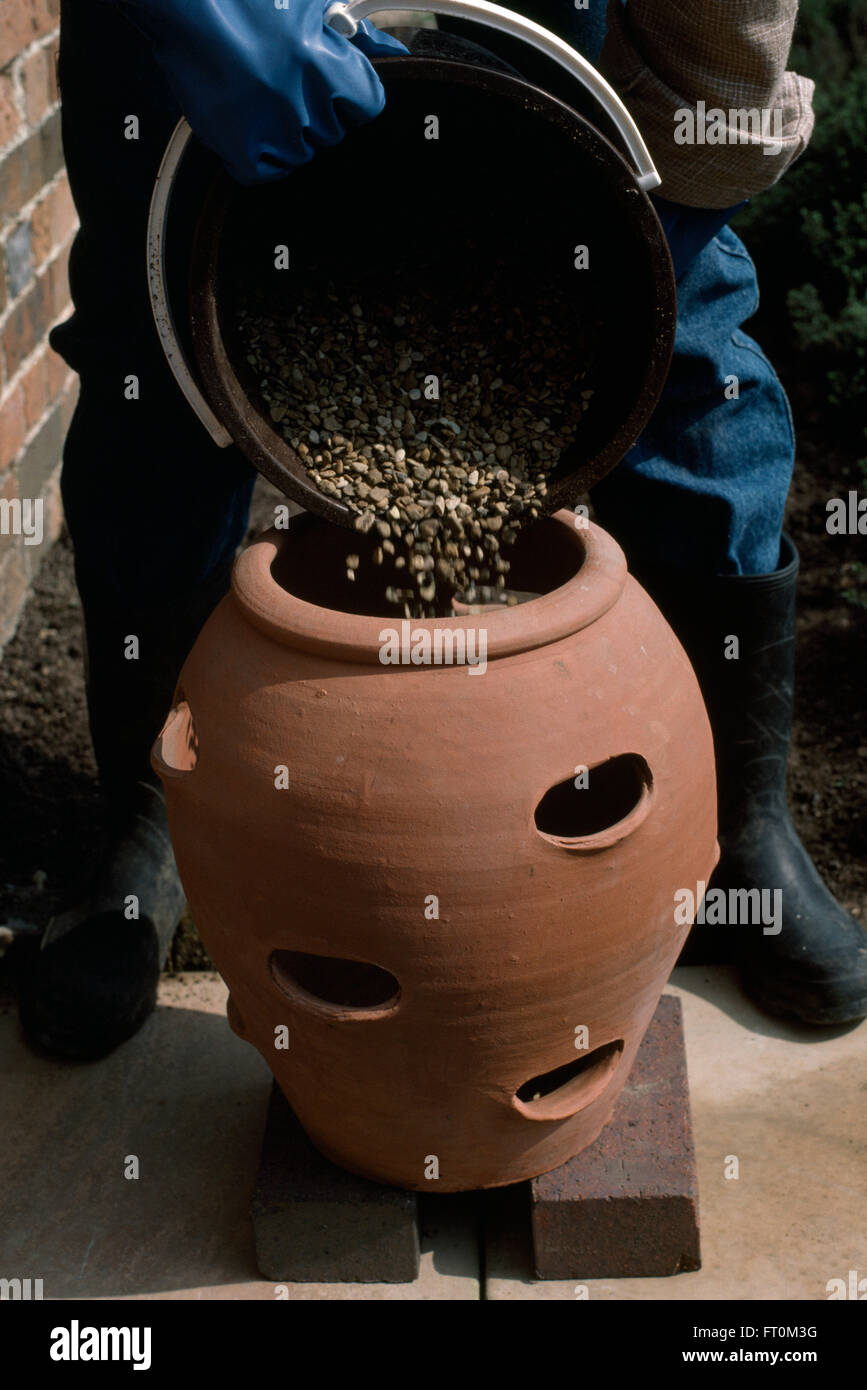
(359, 638)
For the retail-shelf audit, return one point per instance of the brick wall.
(37, 224)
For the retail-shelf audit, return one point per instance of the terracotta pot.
(422, 905)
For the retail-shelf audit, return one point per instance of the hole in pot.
(556, 1094)
(177, 746)
(334, 982)
(612, 804)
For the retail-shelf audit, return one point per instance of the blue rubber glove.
(264, 88)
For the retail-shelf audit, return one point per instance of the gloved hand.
(264, 88)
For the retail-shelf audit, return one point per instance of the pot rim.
(282, 616)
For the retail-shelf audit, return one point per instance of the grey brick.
(19, 259)
(315, 1223)
(41, 456)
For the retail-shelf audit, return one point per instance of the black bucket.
(514, 173)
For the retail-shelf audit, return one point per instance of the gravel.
(435, 418)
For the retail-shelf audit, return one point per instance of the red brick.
(21, 176)
(53, 57)
(38, 81)
(58, 373)
(22, 21)
(59, 272)
(34, 385)
(11, 123)
(627, 1206)
(42, 231)
(27, 323)
(13, 426)
(68, 401)
(65, 216)
(50, 147)
(53, 220)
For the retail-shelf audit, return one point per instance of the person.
(156, 511)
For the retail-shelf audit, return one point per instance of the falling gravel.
(436, 419)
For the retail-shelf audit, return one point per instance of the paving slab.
(187, 1099)
(183, 1104)
(780, 1128)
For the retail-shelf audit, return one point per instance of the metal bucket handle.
(344, 20)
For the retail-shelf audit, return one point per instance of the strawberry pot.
(437, 868)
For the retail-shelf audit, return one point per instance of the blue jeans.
(154, 508)
(705, 487)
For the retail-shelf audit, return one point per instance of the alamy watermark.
(735, 907)
(22, 517)
(20, 1290)
(434, 646)
(847, 516)
(77, 1343)
(737, 126)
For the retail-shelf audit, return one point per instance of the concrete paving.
(187, 1099)
(788, 1104)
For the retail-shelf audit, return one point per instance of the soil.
(55, 828)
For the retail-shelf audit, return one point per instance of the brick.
(65, 216)
(8, 493)
(11, 123)
(52, 54)
(58, 373)
(21, 176)
(23, 21)
(627, 1207)
(18, 256)
(59, 276)
(39, 85)
(53, 220)
(42, 228)
(34, 388)
(315, 1223)
(26, 324)
(52, 521)
(42, 454)
(13, 426)
(68, 402)
(52, 516)
(51, 147)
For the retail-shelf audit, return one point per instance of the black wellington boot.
(94, 980)
(800, 955)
